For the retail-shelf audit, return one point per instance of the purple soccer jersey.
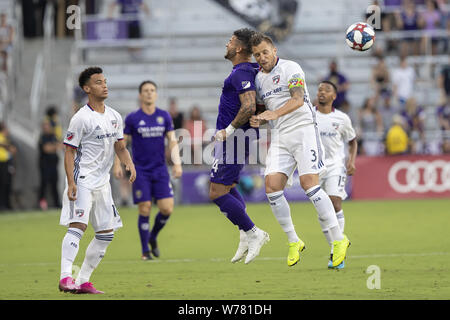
(240, 80)
(148, 135)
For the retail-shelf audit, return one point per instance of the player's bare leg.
(275, 184)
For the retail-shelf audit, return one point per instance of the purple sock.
(235, 193)
(160, 222)
(234, 211)
(144, 226)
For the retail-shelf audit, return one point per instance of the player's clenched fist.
(72, 191)
(255, 122)
(132, 170)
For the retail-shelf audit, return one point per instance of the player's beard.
(230, 54)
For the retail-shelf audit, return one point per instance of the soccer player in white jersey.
(95, 133)
(335, 129)
(295, 142)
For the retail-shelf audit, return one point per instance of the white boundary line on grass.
(391, 255)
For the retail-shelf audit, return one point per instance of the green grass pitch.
(407, 240)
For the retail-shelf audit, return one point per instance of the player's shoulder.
(162, 112)
(82, 114)
(288, 64)
(341, 115)
(246, 69)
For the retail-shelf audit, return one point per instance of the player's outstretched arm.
(177, 171)
(124, 157)
(248, 108)
(69, 164)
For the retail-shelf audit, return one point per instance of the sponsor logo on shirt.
(269, 93)
(245, 84)
(106, 135)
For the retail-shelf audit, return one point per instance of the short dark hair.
(86, 75)
(331, 84)
(259, 37)
(244, 35)
(143, 83)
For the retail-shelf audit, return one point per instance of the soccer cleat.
(241, 251)
(155, 249)
(146, 256)
(339, 267)
(339, 250)
(294, 252)
(255, 242)
(88, 287)
(68, 285)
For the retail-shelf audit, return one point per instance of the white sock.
(69, 251)
(326, 233)
(282, 212)
(242, 236)
(325, 210)
(94, 254)
(341, 219)
(252, 232)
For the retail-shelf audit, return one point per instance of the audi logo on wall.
(420, 176)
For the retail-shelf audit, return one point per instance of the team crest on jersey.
(160, 120)
(335, 125)
(138, 194)
(114, 123)
(79, 213)
(276, 79)
(69, 135)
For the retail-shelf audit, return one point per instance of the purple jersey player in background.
(237, 105)
(147, 129)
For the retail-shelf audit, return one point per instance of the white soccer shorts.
(95, 206)
(333, 182)
(301, 148)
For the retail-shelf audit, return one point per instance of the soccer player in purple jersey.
(237, 105)
(147, 129)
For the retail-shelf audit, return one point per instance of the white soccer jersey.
(273, 91)
(94, 134)
(335, 131)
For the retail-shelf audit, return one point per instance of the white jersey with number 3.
(273, 91)
(335, 131)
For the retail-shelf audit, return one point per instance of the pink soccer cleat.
(68, 285)
(88, 287)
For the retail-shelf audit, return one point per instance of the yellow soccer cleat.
(340, 250)
(294, 252)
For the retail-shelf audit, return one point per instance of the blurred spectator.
(6, 40)
(196, 126)
(431, 19)
(444, 82)
(414, 116)
(370, 127)
(51, 115)
(341, 83)
(7, 153)
(49, 145)
(397, 141)
(130, 9)
(387, 110)
(408, 20)
(380, 75)
(403, 79)
(443, 115)
(176, 115)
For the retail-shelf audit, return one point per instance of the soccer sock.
(282, 212)
(160, 222)
(341, 219)
(94, 254)
(235, 193)
(69, 251)
(325, 210)
(144, 234)
(234, 211)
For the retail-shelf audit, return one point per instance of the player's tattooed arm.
(248, 108)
